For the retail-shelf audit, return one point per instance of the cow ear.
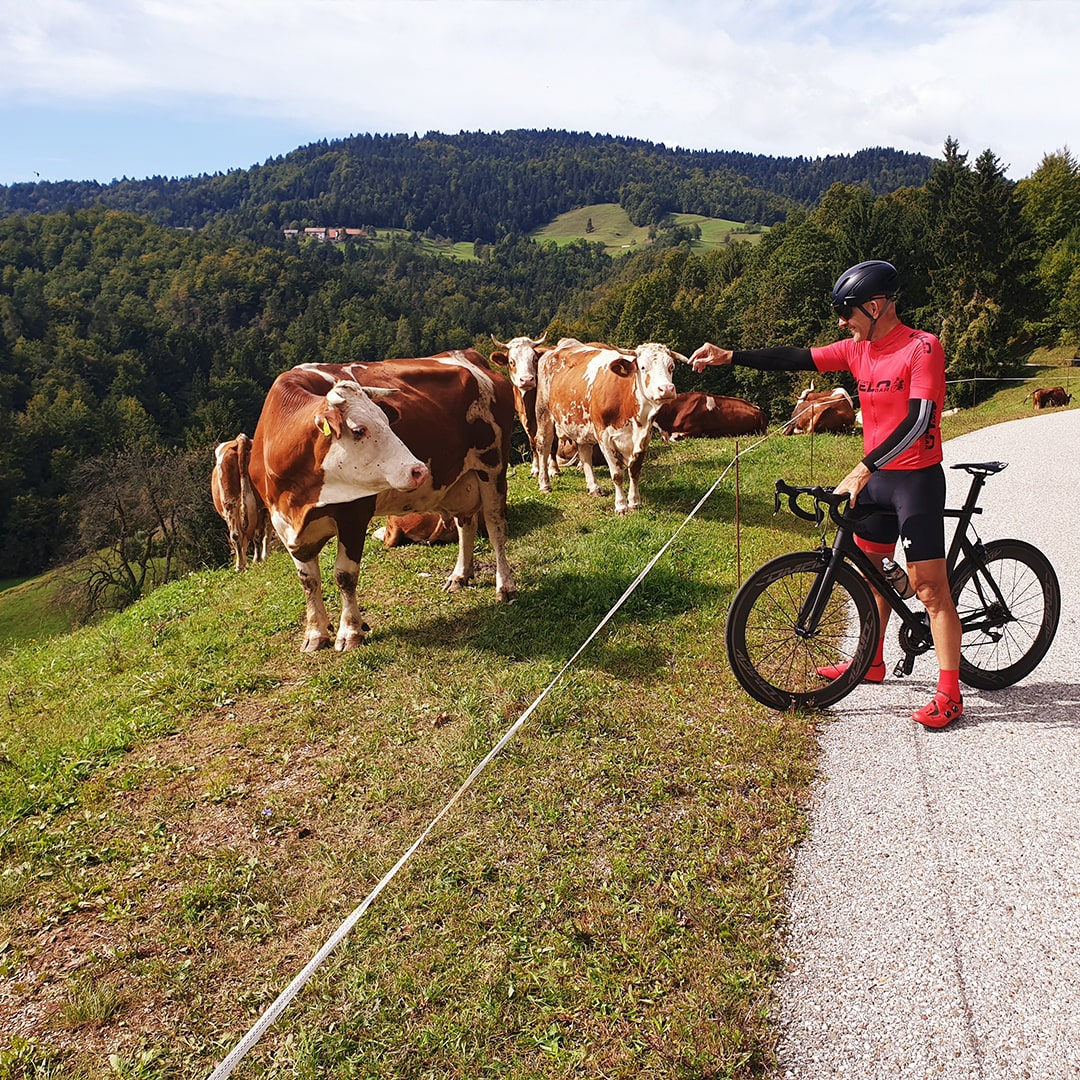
(500, 358)
(622, 366)
(328, 420)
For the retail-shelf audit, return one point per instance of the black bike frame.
(845, 548)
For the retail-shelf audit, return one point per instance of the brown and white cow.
(596, 395)
(819, 411)
(326, 458)
(521, 356)
(429, 527)
(1050, 396)
(239, 505)
(711, 416)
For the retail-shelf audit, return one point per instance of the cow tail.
(243, 461)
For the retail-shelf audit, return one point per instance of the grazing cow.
(711, 416)
(595, 395)
(1051, 396)
(327, 458)
(822, 411)
(243, 512)
(429, 527)
(521, 356)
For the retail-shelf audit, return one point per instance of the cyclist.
(900, 373)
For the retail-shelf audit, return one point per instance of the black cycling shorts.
(917, 496)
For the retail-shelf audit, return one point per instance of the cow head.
(522, 354)
(656, 365)
(361, 448)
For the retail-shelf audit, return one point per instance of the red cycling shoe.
(943, 710)
(875, 673)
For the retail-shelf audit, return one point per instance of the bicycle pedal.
(904, 666)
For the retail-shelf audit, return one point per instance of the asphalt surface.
(935, 909)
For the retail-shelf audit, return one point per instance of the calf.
(595, 395)
(696, 415)
(239, 505)
(339, 443)
(426, 528)
(822, 411)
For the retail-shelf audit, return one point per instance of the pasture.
(189, 807)
(612, 228)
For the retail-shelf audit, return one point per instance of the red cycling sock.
(949, 683)
(879, 652)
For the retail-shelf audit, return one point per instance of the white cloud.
(771, 76)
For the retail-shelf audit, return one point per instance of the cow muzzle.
(418, 476)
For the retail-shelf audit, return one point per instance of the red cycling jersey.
(889, 372)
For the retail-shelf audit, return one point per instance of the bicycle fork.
(814, 605)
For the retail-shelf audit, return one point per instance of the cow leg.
(463, 571)
(634, 497)
(493, 498)
(617, 469)
(585, 460)
(237, 544)
(352, 627)
(316, 620)
(352, 523)
(260, 538)
(545, 436)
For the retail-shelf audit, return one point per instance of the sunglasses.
(846, 308)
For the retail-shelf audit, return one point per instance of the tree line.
(121, 339)
(477, 186)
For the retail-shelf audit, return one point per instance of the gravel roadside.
(935, 907)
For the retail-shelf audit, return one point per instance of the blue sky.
(100, 89)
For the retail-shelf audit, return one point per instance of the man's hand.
(854, 482)
(709, 354)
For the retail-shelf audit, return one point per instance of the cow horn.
(498, 343)
(378, 392)
(540, 341)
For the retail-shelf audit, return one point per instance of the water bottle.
(897, 578)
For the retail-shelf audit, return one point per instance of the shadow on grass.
(558, 612)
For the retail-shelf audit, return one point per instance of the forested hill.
(477, 186)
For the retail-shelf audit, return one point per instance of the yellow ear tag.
(326, 427)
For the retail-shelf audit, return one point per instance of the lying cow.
(240, 507)
(521, 355)
(819, 411)
(1051, 396)
(429, 527)
(695, 415)
(595, 395)
(339, 443)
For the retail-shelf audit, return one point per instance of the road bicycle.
(815, 609)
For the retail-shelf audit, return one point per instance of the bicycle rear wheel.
(1009, 604)
(778, 666)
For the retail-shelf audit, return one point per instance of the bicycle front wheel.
(1009, 603)
(778, 665)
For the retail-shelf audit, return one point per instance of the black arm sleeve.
(784, 358)
(920, 414)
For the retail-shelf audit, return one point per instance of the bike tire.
(1018, 636)
(776, 666)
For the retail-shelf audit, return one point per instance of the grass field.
(189, 807)
(28, 611)
(612, 228)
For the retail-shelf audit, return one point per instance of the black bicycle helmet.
(863, 282)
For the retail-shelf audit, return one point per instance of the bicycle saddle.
(986, 468)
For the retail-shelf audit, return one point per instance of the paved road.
(935, 913)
